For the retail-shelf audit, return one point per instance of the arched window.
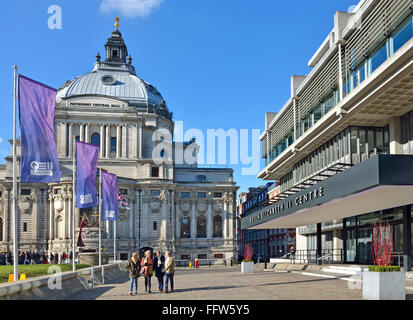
(1, 229)
(217, 227)
(201, 227)
(185, 227)
(96, 139)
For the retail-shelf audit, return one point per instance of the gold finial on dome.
(117, 23)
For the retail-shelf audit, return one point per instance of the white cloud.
(130, 8)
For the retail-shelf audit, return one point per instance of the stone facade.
(172, 205)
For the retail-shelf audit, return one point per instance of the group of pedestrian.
(35, 257)
(163, 267)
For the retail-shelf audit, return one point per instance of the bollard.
(103, 274)
(93, 277)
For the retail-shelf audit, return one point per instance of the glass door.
(350, 245)
(364, 244)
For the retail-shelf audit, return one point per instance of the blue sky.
(217, 63)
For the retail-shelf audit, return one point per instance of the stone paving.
(220, 283)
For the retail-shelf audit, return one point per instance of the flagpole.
(15, 240)
(74, 207)
(100, 216)
(114, 241)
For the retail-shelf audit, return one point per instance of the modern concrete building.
(266, 244)
(342, 145)
(174, 204)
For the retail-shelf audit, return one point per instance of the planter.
(247, 267)
(384, 285)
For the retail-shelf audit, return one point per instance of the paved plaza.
(221, 283)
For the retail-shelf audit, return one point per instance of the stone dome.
(116, 78)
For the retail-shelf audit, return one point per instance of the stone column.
(70, 139)
(118, 139)
(140, 147)
(7, 214)
(135, 142)
(87, 132)
(108, 142)
(164, 222)
(225, 219)
(82, 136)
(35, 216)
(230, 220)
(131, 215)
(68, 211)
(209, 220)
(124, 135)
(102, 141)
(136, 214)
(193, 220)
(177, 225)
(144, 215)
(51, 215)
(64, 140)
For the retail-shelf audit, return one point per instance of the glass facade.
(358, 234)
(406, 124)
(353, 145)
(360, 70)
(319, 111)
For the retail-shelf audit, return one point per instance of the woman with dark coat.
(159, 267)
(133, 268)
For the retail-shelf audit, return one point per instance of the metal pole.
(114, 241)
(15, 240)
(100, 217)
(74, 207)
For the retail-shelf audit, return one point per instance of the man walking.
(169, 272)
(159, 267)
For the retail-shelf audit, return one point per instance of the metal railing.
(202, 262)
(310, 256)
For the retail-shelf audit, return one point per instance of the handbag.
(142, 271)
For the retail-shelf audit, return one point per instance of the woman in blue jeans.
(133, 268)
(169, 272)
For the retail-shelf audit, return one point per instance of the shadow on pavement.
(296, 282)
(208, 288)
(91, 294)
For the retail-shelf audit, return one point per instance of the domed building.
(174, 205)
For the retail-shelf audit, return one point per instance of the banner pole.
(114, 241)
(15, 240)
(74, 207)
(100, 217)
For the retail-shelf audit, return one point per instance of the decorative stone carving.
(185, 206)
(58, 204)
(155, 204)
(217, 206)
(90, 233)
(201, 206)
(25, 205)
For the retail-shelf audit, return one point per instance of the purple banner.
(86, 166)
(110, 209)
(39, 161)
